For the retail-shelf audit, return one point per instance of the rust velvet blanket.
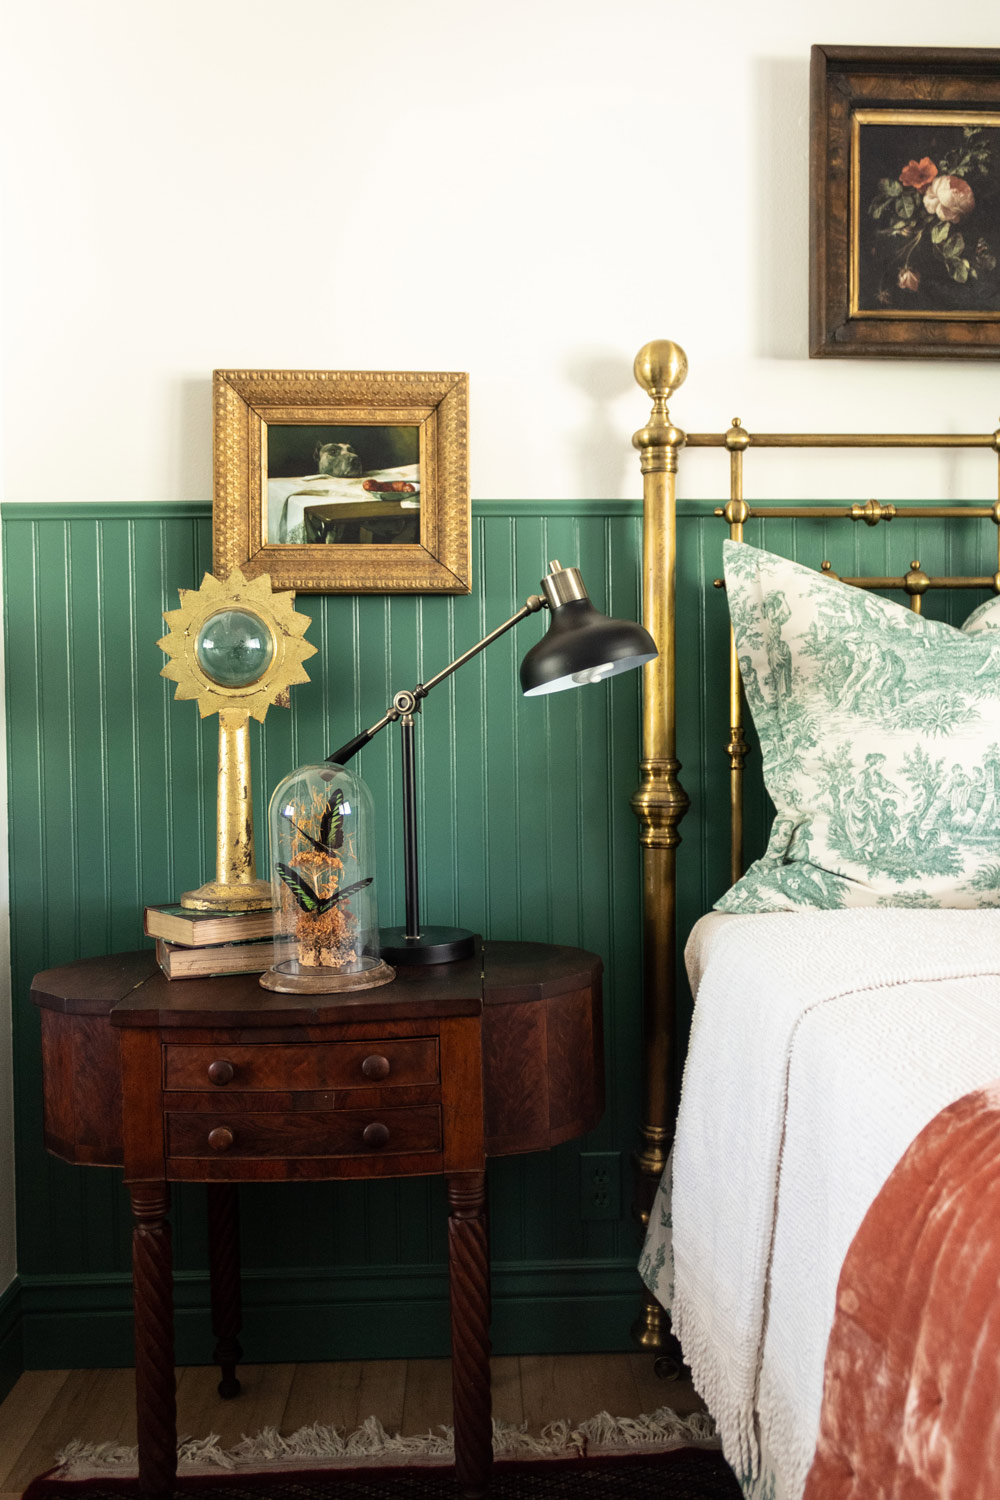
(911, 1396)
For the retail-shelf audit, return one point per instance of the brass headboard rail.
(843, 439)
(661, 802)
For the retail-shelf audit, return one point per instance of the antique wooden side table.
(220, 1081)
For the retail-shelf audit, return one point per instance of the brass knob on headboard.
(736, 512)
(916, 580)
(737, 438)
(872, 512)
(660, 367)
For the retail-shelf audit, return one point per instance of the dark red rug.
(676, 1474)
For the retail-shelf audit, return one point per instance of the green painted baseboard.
(11, 1344)
(86, 1322)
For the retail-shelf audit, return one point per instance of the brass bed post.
(736, 513)
(660, 802)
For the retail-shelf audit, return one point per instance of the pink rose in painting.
(950, 198)
(918, 174)
(909, 280)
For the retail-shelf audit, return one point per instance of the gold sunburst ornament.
(236, 648)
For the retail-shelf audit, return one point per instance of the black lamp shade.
(580, 646)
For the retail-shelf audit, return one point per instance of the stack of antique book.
(192, 944)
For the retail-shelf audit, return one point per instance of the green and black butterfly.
(331, 825)
(307, 898)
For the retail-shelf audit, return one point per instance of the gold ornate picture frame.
(343, 481)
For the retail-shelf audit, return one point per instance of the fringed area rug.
(657, 1457)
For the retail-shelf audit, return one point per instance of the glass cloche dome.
(326, 934)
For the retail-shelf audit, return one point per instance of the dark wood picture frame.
(848, 85)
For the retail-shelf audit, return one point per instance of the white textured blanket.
(821, 1043)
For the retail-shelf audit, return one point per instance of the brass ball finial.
(660, 367)
(916, 580)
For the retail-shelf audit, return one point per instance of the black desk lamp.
(580, 646)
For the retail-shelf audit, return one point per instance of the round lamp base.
(302, 981)
(435, 945)
(220, 895)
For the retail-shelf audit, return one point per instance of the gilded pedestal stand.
(236, 648)
(660, 802)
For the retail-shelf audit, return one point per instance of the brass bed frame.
(661, 802)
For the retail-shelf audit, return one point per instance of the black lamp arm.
(404, 703)
(349, 751)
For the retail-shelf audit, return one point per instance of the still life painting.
(926, 236)
(347, 484)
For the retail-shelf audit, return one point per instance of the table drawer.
(318, 1065)
(343, 1132)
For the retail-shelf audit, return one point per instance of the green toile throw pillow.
(880, 739)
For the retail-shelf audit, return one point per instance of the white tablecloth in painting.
(288, 499)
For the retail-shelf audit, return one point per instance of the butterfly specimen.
(331, 825)
(307, 898)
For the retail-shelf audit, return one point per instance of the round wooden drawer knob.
(375, 1066)
(221, 1138)
(376, 1134)
(221, 1072)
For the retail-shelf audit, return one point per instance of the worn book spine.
(179, 962)
(196, 929)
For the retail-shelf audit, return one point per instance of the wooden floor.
(48, 1408)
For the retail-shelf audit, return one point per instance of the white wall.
(527, 191)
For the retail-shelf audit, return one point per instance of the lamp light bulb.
(593, 674)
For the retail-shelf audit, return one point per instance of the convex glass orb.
(234, 648)
(326, 932)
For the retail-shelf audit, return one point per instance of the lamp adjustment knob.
(375, 1135)
(375, 1066)
(221, 1138)
(221, 1072)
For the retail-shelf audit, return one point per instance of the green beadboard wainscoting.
(526, 832)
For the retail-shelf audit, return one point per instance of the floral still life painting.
(927, 214)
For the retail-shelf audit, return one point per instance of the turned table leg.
(469, 1276)
(153, 1295)
(224, 1280)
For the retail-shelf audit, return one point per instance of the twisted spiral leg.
(153, 1292)
(224, 1280)
(469, 1272)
